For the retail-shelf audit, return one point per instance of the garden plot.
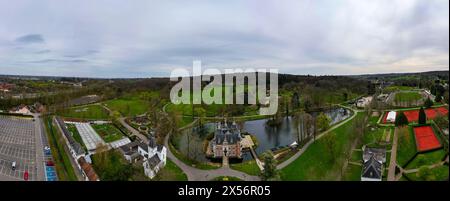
(90, 138)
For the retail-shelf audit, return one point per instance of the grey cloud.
(30, 38)
(148, 38)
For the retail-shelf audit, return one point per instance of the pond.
(268, 137)
(273, 137)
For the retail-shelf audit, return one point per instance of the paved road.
(195, 174)
(134, 131)
(393, 162)
(299, 153)
(40, 160)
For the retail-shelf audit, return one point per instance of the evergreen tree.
(401, 120)
(422, 116)
(428, 103)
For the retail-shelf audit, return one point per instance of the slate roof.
(227, 132)
(379, 154)
(73, 143)
(372, 169)
(153, 161)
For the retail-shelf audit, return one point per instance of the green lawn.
(73, 129)
(128, 106)
(352, 173)
(396, 88)
(94, 112)
(428, 158)
(315, 163)
(407, 96)
(171, 172)
(250, 167)
(190, 162)
(436, 174)
(108, 132)
(406, 145)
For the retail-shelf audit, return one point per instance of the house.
(226, 141)
(87, 170)
(154, 158)
(6, 87)
(75, 148)
(37, 108)
(373, 160)
(133, 151)
(364, 101)
(391, 116)
(22, 109)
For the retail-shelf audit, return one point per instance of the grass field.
(436, 174)
(128, 106)
(170, 172)
(396, 88)
(428, 158)
(250, 167)
(73, 129)
(94, 112)
(409, 96)
(406, 145)
(352, 173)
(108, 132)
(315, 163)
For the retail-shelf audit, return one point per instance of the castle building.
(226, 141)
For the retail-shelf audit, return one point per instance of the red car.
(50, 163)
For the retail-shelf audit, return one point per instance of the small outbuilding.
(391, 116)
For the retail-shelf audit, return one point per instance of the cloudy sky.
(115, 38)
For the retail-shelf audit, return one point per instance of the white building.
(154, 157)
(391, 116)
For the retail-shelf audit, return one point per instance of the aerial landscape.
(87, 92)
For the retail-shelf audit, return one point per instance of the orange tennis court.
(425, 138)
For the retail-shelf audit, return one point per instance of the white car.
(13, 165)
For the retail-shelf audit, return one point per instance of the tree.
(323, 122)
(330, 145)
(270, 172)
(298, 123)
(295, 100)
(422, 116)
(438, 98)
(428, 103)
(401, 120)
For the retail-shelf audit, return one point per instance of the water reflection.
(268, 137)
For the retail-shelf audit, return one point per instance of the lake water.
(268, 137)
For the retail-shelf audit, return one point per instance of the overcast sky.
(150, 38)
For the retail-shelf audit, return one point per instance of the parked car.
(50, 163)
(13, 165)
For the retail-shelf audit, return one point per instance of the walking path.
(393, 161)
(302, 150)
(134, 131)
(195, 174)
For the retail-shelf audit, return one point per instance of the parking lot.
(19, 143)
